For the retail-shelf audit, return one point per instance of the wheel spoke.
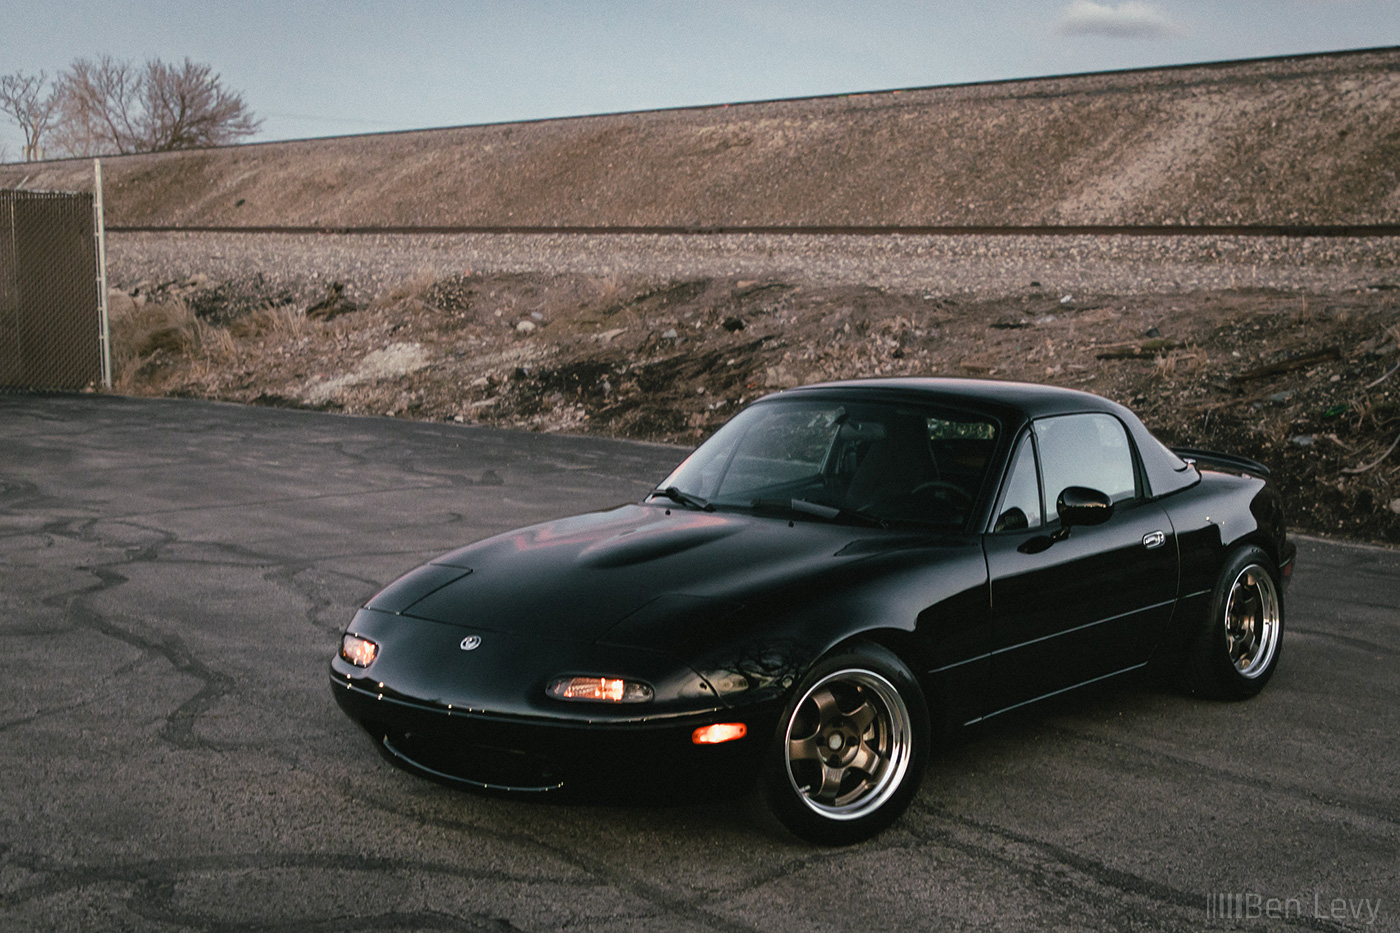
(863, 716)
(806, 749)
(1244, 616)
(831, 782)
(866, 761)
(827, 710)
(1244, 607)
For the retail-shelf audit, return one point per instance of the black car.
(840, 573)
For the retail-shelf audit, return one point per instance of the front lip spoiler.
(410, 764)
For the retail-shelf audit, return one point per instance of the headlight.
(358, 651)
(600, 690)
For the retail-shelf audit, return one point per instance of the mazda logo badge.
(471, 643)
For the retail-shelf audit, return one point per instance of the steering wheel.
(962, 495)
(952, 497)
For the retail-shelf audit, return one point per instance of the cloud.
(1131, 19)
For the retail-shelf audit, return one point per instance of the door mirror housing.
(1080, 505)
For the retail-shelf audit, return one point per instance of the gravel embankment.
(1311, 139)
(988, 267)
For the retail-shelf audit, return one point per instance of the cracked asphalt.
(175, 575)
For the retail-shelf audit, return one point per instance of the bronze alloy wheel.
(1252, 620)
(848, 744)
(850, 749)
(1237, 646)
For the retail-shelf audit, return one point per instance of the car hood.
(577, 578)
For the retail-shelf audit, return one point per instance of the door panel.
(1092, 604)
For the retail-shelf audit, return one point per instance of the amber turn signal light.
(719, 732)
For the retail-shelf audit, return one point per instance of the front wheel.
(1237, 648)
(851, 748)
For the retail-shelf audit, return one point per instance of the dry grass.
(143, 332)
(1174, 363)
(155, 335)
(280, 322)
(414, 290)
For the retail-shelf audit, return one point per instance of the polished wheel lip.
(879, 729)
(1253, 620)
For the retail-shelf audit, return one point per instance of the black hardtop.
(1030, 399)
(1014, 403)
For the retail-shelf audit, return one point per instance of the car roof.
(1034, 401)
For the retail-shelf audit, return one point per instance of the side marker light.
(719, 732)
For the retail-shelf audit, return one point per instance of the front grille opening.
(483, 766)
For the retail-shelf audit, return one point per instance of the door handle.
(1154, 539)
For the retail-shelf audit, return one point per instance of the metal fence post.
(104, 325)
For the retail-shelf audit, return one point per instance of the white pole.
(105, 335)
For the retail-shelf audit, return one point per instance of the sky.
(312, 68)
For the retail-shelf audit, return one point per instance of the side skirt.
(1055, 693)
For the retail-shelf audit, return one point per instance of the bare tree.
(186, 107)
(97, 103)
(109, 105)
(28, 101)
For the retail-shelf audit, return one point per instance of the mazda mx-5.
(836, 577)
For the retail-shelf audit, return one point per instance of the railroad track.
(1293, 231)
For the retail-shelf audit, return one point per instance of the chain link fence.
(51, 335)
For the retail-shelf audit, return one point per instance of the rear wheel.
(851, 748)
(1237, 649)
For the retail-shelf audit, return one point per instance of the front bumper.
(647, 758)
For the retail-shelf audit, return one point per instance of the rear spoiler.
(1214, 459)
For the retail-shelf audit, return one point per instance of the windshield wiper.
(684, 498)
(829, 512)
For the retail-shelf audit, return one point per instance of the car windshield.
(873, 462)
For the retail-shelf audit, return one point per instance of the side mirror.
(1077, 505)
(1080, 505)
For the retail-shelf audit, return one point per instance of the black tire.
(1237, 648)
(850, 749)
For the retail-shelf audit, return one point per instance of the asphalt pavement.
(174, 576)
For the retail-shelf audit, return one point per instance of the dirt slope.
(1313, 139)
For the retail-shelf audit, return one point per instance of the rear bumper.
(1288, 562)
(537, 756)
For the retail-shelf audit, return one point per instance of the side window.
(1085, 450)
(1020, 506)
